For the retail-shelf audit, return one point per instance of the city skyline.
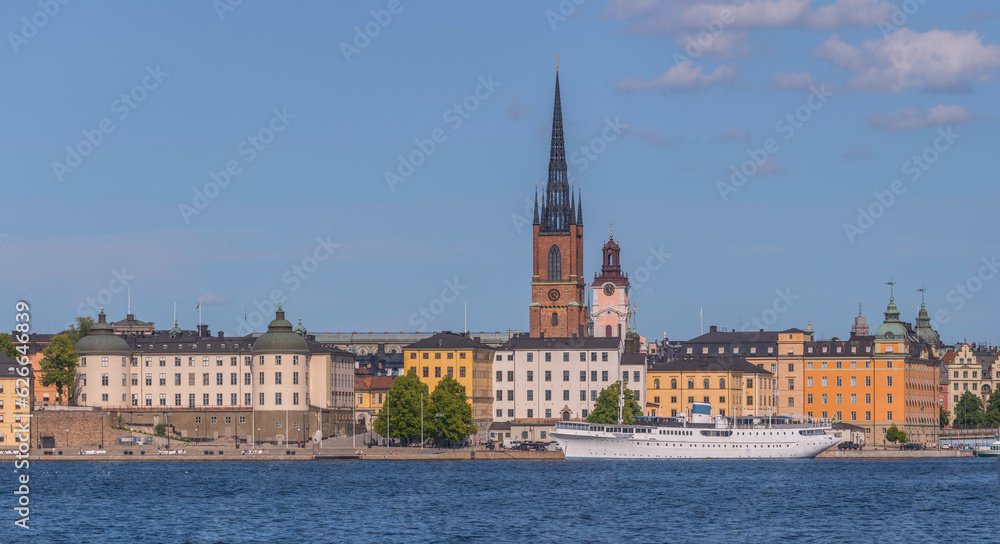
(326, 212)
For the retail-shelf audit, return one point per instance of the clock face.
(553, 295)
(609, 289)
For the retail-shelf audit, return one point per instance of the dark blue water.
(941, 500)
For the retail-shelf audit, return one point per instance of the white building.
(560, 378)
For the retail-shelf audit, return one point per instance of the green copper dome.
(280, 338)
(892, 328)
(300, 330)
(925, 332)
(102, 340)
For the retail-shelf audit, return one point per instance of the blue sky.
(174, 92)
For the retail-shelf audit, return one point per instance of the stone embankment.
(834, 453)
(201, 453)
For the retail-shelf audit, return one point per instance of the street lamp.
(67, 438)
(102, 432)
(166, 430)
(236, 431)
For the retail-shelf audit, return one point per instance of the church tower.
(611, 305)
(557, 285)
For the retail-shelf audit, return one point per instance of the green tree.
(992, 416)
(401, 410)
(944, 417)
(606, 407)
(58, 367)
(160, 429)
(7, 347)
(80, 329)
(969, 411)
(450, 413)
(895, 434)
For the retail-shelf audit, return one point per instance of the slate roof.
(374, 383)
(8, 367)
(561, 343)
(633, 358)
(448, 340)
(707, 364)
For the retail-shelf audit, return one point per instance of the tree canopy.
(401, 410)
(80, 329)
(451, 413)
(58, 367)
(992, 416)
(7, 347)
(895, 434)
(606, 408)
(969, 411)
(944, 417)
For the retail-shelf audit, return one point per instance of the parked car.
(849, 446)
(912, 446)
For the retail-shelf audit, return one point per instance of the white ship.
(700, 437)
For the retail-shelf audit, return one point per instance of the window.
(809, 398)
(163, 379)
(531, 413)
(233, 379)
(163, 361)
(531, 357)
(177, 378)
(888, 381)
(868, 398)
(426, 371)
(656, 383)
(555, 319)
(673, 383)
(510, 412)
(593, 394)
(548, 375)
(604, 356)
(791, 384)
(854, 398)
(823, 397)
(593, 356)
(295, 399)
(868, 416)
(565, 394)
(499, 394)
(531, 375)
(690, 383)
(295, 378)
(604, 375)
(722, 383)
(149, 379)
(705, 384)
(565, 375)
(888, 415)
(854, 381)
(461, 372)
(548, 394)
(555, 265)
(593, 375)
(451, 355)
(450, 372)
(868, 381)
(104, 379)
(548, 356)
(177, 361)
(583, 395)
(510, 375)
(510, 394)
(277, 378)
(437, 372)
(583, 356)
(548, 413)
(499, 412)
(583, 375)
(277, 400)
(531, 396)
(888, 399)
(839, 381)
(838, 398)
(499, 375)
(791, 401)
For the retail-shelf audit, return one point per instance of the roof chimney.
(220, 333)
(713, 328)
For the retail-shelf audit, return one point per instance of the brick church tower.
(557, 284)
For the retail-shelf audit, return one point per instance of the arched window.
(690, 383)
(722, 383)
(707, 386)
(555, 319)
(609, 260)
(607, 331)
(656, 383)
(673, 383)
(555, 264)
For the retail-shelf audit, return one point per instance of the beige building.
(280, 386)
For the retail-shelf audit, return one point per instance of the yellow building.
(878, 381)
(12, 406)
(465, 359)
(733, 386)
(370, 393)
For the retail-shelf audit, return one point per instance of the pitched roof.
(633, 358)
(9, 367)
(448, 340)
(373, 383)
(561, 343)
(719, 337)
(709, 364)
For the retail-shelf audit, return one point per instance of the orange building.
(370, 393)
(43, 395)
(874, 382)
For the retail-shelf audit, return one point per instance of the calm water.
(949, 500)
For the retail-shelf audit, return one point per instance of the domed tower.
(611, 290)
(280, 355)
(175, 331)
(891, 328)
(925, 332)
(102, 377)
(300, 330)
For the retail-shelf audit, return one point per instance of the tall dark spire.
(557, 212)
(579, 207)
(536, 206)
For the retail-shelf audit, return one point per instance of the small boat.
(993, 450)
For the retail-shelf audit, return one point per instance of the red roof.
(373, 383)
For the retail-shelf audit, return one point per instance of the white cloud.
(208, 299)
(728, 45)
(650, 136)
(686, 76)
(665, 17)
(937, 60)
(770, 167)
(915, 119)
(793, 82)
